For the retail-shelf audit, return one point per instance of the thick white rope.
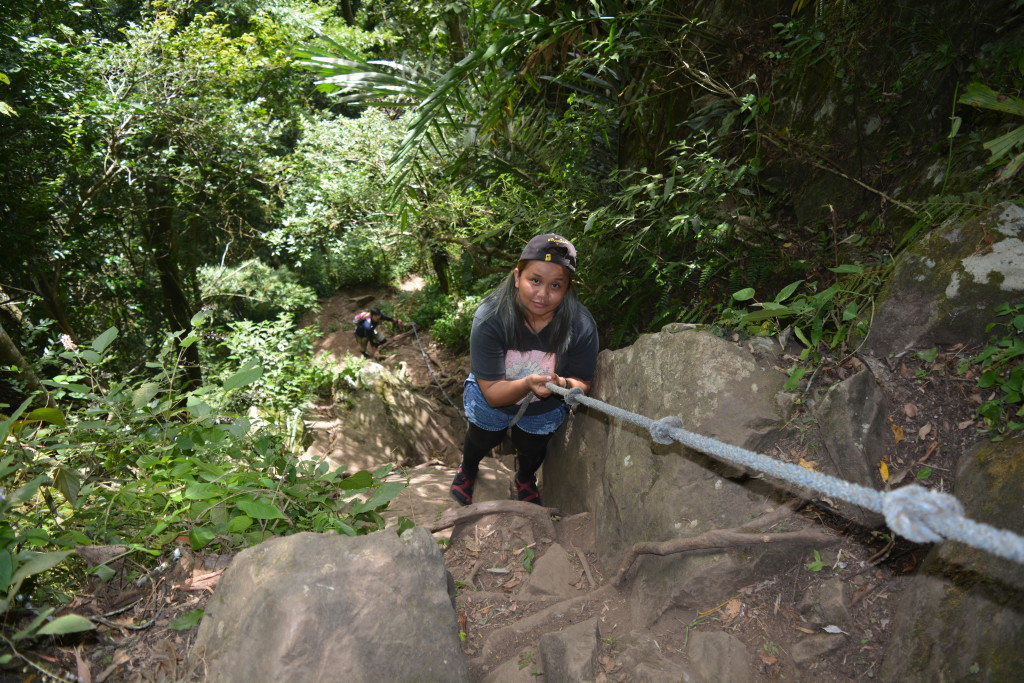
(914, 512)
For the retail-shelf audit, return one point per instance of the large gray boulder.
(963, 617)
(946, 288)
(638, 490)
(324, 607)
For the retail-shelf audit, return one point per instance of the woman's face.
(542, 286)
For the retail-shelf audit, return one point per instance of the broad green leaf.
(90, 356)
(202, 491)
(776, 308)
(67, 482)
(757, 316)
(382, 496)
(239, 523)
(187, 620)
(249, 373)
(100, 343)
(260, 510)
(983, 96)
(199, 317)
(200, 537)
(69, 623)
(51, 415)
(103, 572)
(744, 294)
(6, 569)
(1004, 144)
(30, 630)
(787, 291)
(360, 480)
(144, 394)
(37, 563)
(848, 268)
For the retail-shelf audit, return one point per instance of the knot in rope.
(916, 513)
(661, 431)
(572, 397)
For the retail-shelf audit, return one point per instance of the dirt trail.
(784, 622)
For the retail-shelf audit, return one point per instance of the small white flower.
(68, 342)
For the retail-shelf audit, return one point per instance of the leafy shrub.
(453, 327)
(255, 291)
(289, 371)
(351, 260)
(428, 305)
(133, 462)
(1001, 364)
(826, 319)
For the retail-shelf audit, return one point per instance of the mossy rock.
(963, 617)
(946, 289)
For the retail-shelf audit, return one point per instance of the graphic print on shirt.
(519, 364)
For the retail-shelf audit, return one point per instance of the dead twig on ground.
(586, 567)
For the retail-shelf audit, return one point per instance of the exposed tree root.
(541, 516)
(719, 538)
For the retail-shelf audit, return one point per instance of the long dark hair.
(503, 303)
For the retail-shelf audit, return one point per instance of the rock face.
(324, 607)
(964, 617)
(946, 289)
(855, 431)
(641, 491)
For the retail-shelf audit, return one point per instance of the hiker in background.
(367, 332)
(531, 330)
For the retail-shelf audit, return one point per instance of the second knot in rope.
(661, 431)
(911, 510)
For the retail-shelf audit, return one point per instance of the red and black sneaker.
(462, 488)
(526, 491)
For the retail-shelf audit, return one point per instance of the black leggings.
(530, 450)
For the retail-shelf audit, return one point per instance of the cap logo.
(547, 257)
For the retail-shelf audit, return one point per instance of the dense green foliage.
(195, 174)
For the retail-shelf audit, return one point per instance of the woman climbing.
(531, 330)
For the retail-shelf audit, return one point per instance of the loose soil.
(931, 418)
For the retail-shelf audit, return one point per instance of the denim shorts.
(493, 420)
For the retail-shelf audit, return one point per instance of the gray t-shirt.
(491, 358)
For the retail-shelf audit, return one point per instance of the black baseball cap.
(553, 248)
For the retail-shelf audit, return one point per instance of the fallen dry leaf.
(84, 674)
(932, 447)
(807, 465)
(805, 630)
(924, 431)
(120, 657)
(200, 581)
(964, 425)
(732, 610)
(897, 431)
(883, 469)
(910, 410)
(768, 659)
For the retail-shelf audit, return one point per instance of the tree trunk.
(439, 260)
(163, 247)
(10, 355)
